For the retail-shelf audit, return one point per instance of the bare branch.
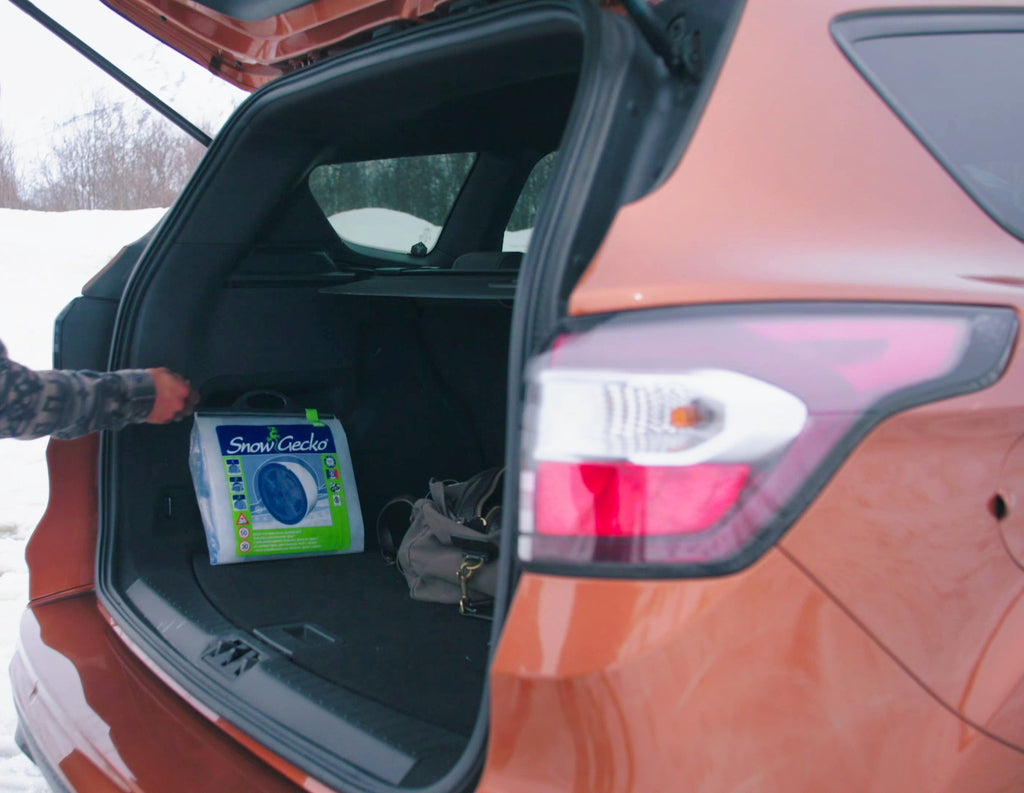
(114, 158)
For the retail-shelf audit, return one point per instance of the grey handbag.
(450, 549)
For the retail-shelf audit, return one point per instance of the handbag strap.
(479, 494)
(385, 528)
(437, 494)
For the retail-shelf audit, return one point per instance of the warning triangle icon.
(242, 519)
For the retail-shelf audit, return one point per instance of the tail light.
(686, 441)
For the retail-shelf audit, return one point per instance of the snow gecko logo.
(273, 439)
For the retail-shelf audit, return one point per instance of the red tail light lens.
(623, 500)
(685, 441)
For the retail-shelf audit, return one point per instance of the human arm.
(174, 399)
(67, 404)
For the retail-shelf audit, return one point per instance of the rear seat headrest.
(489, 260)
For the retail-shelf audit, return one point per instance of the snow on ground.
(45, 259)
(391, 230)
(385, 229)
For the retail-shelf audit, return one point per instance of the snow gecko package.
(273, 485)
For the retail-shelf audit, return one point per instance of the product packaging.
(274, 485)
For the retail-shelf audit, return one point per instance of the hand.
(175, 397)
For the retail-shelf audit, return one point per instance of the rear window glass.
(524, 216)
(962, 93)
(397, 205)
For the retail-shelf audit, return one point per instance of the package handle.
(266, 400)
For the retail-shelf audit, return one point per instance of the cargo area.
(341, 630)
(250, 287)
(266, 276)
(418, 399)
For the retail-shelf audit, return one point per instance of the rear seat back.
(489, 260)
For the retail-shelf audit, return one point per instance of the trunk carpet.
(423, 659)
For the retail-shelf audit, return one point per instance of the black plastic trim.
(439, 284)
(564, 240)
(849, 30)
(718, 28)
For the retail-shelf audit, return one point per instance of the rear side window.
(397, 205)
(524, 216)
(957, 80)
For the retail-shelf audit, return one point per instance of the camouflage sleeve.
(67, 404)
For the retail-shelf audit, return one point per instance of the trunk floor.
(423, 659)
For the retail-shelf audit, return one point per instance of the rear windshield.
(397, 205)
(962, 93)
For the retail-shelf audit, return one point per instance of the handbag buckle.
(469, 607)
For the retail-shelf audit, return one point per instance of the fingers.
(175, 397)
(189, 405)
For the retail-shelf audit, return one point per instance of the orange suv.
(731, 290)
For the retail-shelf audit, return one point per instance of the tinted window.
(520, 224)
(962, 93)
(392, 204)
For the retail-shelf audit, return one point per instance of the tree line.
(118, 157)
(425, 187)
(109, 157)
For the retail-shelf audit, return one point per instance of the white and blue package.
(272, 485)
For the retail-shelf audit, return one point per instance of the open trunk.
(246, 285)
(329, 648)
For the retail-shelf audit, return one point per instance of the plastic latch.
(313, 417)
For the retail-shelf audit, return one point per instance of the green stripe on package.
(271, 485)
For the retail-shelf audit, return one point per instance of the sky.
(44, 83)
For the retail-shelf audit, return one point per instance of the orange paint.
(753, 682)
(96, 712)
(61, 553)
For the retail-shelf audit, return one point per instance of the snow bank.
(391, 230)
(46, 259)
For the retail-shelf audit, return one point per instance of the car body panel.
(772, 687)
(936, 587)
(102, 718)
(792, 203)
(61, 553)
(888, 223)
